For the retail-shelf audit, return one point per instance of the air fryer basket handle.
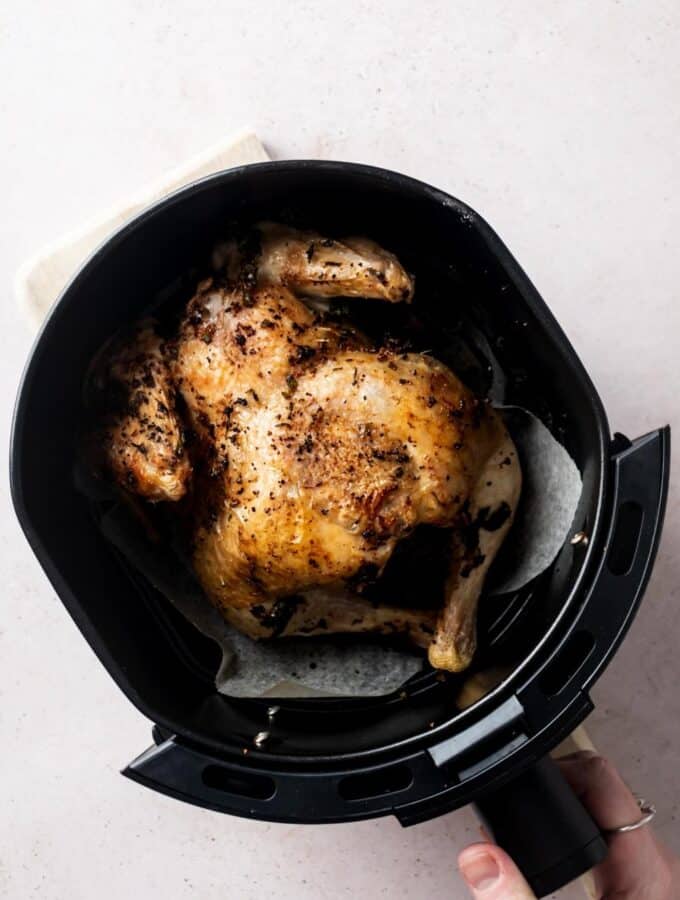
(539, 821)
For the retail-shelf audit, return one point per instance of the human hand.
(638, 866)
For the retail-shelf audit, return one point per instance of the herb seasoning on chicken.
(314, 452)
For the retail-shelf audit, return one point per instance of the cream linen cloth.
(42, 278)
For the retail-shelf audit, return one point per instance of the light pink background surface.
(561, 125)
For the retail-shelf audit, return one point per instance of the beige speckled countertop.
(562, 128)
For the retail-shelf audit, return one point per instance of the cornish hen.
(313, 452)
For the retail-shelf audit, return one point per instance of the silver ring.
(648, 811)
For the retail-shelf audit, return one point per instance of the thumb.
(492, 875)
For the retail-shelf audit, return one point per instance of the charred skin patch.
(278, 615)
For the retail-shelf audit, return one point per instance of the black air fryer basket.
(414, 754)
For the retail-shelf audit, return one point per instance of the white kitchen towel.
(41, 279)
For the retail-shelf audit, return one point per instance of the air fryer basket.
(413, 754)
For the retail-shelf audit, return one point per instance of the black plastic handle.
(540, 822)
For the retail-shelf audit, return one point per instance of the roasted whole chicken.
(300, 453)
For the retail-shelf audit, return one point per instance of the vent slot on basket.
(376, 784)
(626, 538)
(259, 787)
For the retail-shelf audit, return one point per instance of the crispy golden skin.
(306, 263)
(316, 453)
(140, 433)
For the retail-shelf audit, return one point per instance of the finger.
(601, 789)
(577, 754)
(492, 875)
(634, 862)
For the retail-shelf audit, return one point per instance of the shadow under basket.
(413, 754)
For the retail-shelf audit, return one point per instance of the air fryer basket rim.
(407, 184)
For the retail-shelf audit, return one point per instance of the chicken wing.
(139, 435)
(313, 266)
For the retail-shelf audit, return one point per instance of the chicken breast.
(315, 452)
